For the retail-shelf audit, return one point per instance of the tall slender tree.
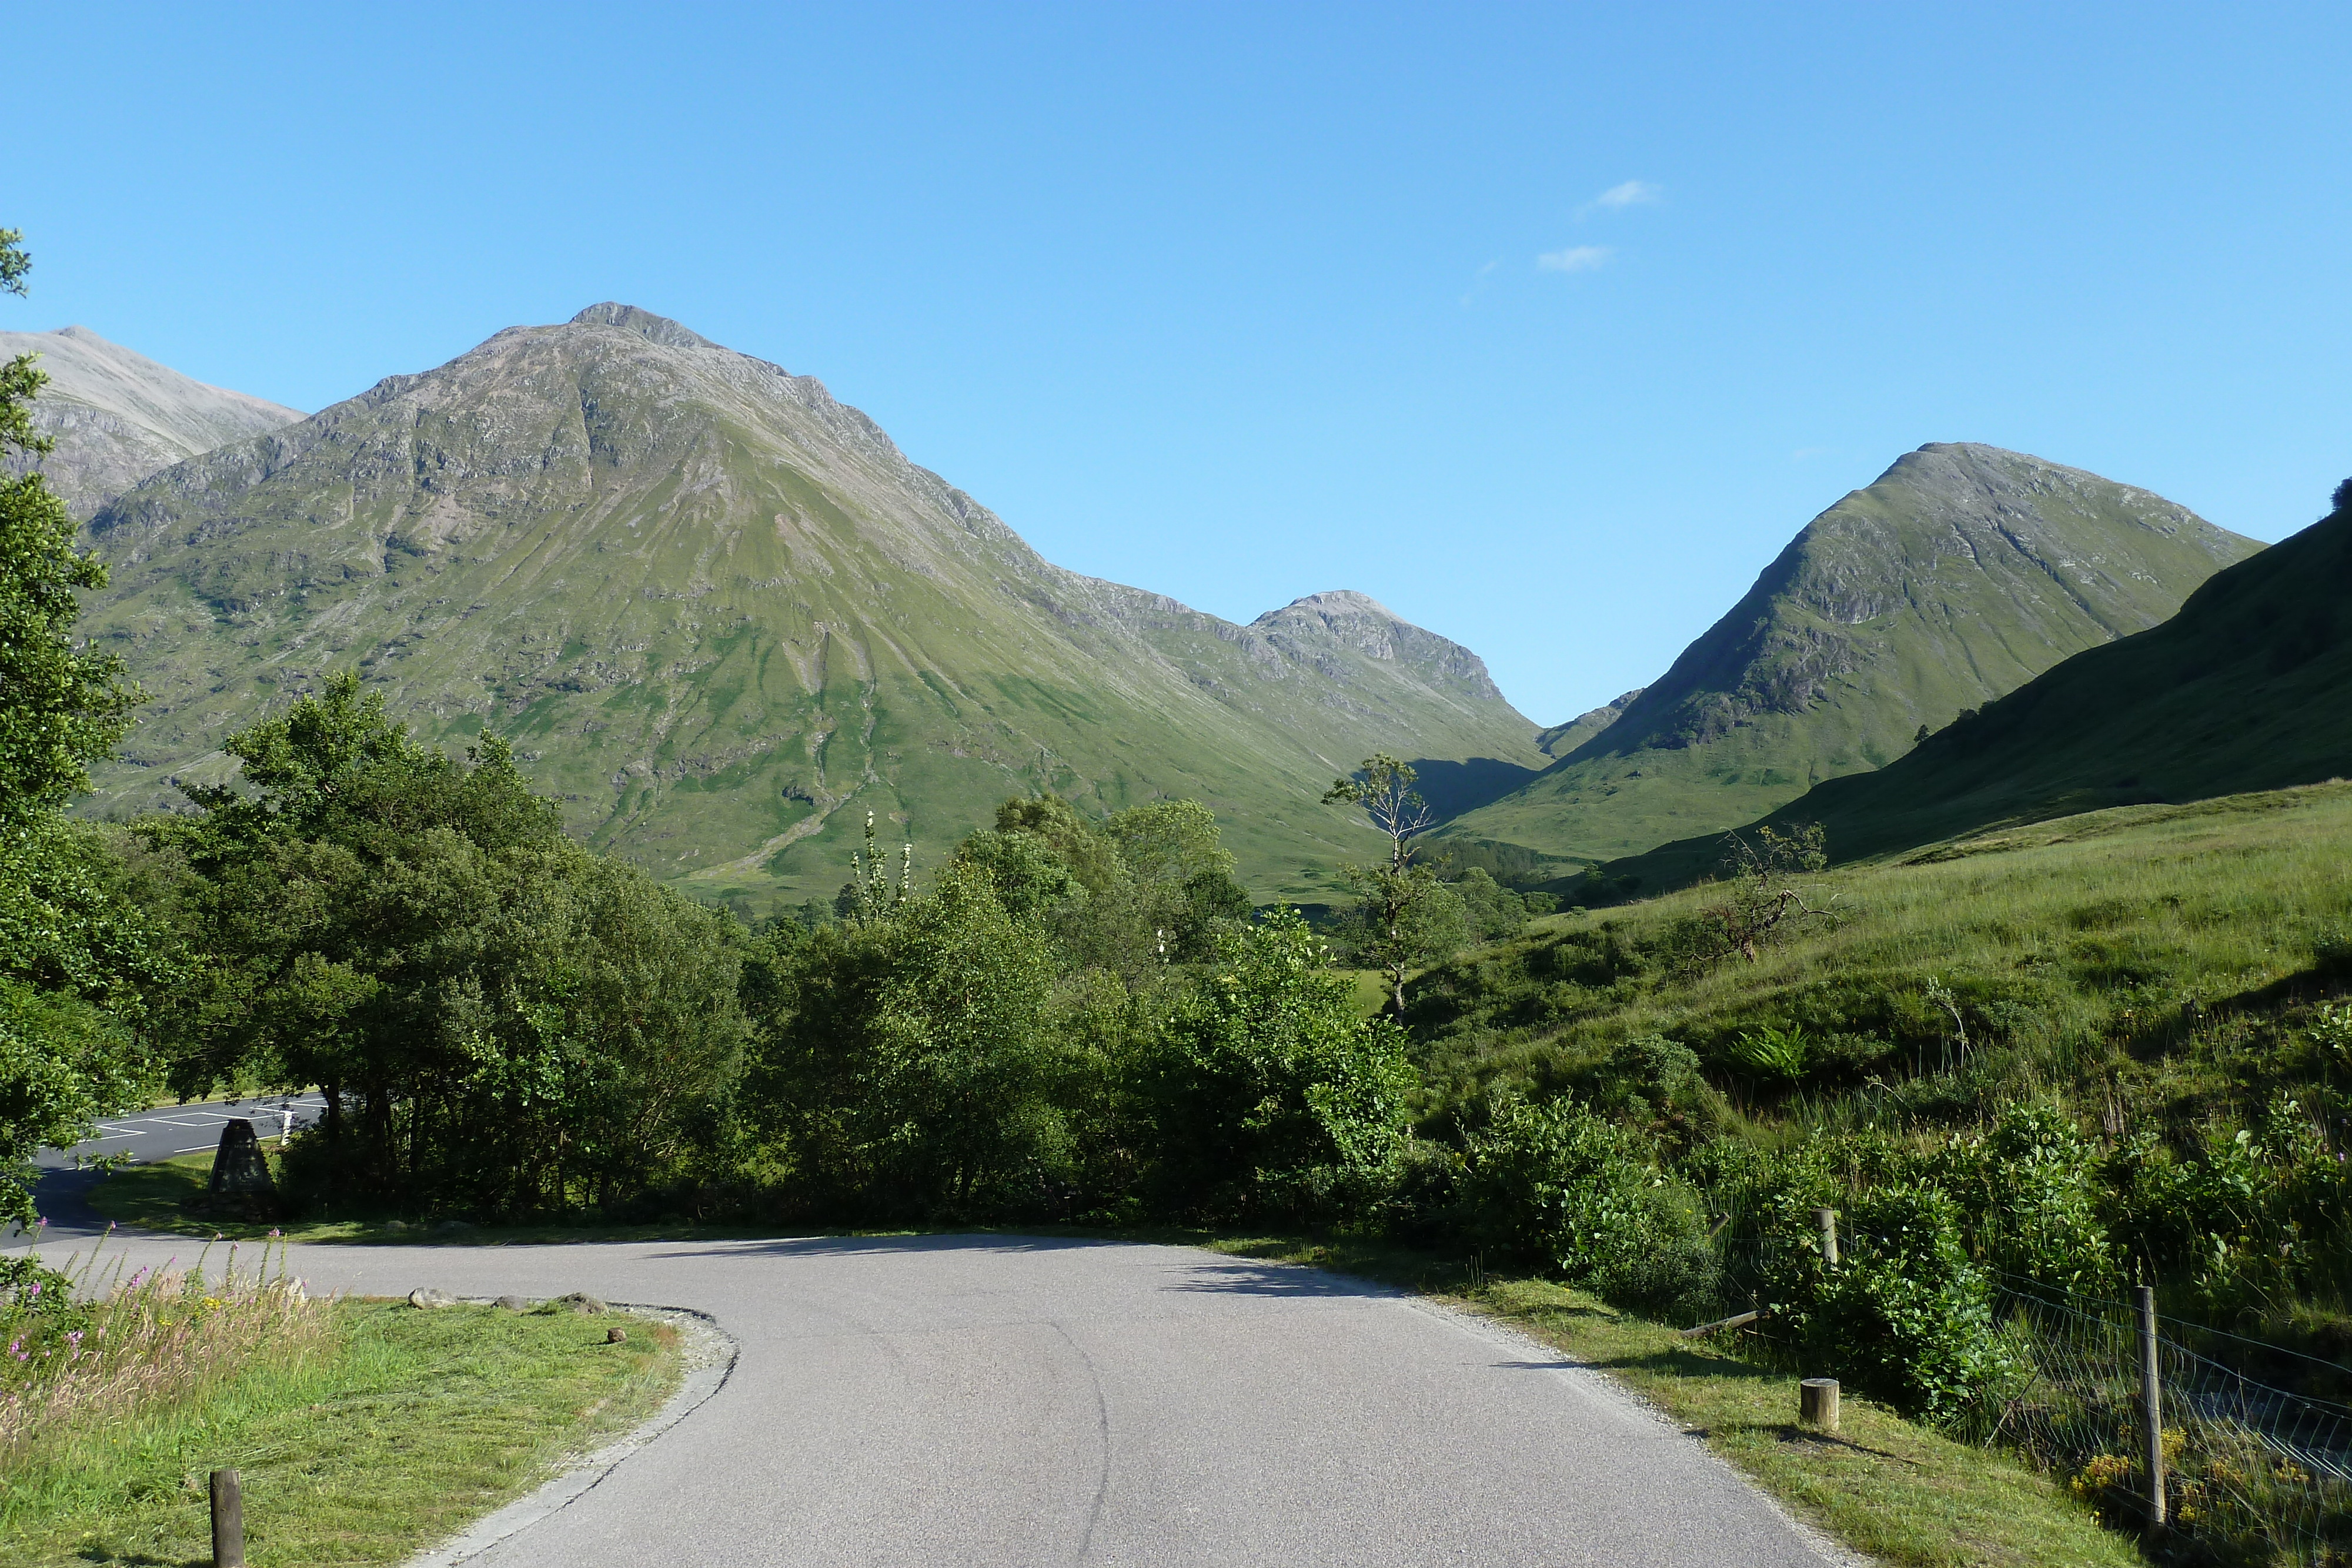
(1403, 914)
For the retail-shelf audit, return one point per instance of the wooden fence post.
(1827, 1220)
(2151, 1403)
(1816, 1403)
(229, 1520)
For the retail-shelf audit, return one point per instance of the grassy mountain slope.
(723, 616)
(2244, 690)
(118, 416)
(1962, 573)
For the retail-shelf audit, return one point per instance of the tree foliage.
(75, 958)
(412, 933)
(1403, 916)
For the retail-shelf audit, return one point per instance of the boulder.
(580, 1302)
(512, 1304)
(427, 1298)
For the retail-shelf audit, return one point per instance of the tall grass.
(84, 1347)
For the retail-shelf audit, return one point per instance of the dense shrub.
(1566, 1188)
(1903, 1316)
(901, 1063)
(2030, 1185)
(1264, 1092)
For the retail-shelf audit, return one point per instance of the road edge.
(711, 1355)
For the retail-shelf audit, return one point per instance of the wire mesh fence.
(2250, 1473)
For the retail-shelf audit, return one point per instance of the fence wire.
(2256, 1476)
(2253, 1474)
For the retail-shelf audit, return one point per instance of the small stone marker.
(240, 1184)
(238, 1167)
(427, 1298)
(1816, 1403)
(616, 1336)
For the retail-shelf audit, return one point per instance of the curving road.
(992, 1400)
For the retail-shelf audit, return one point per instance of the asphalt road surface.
(62, 1179)
(994, 1400)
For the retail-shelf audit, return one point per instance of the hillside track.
(1003, 1400)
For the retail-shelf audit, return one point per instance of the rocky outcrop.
(117, 416)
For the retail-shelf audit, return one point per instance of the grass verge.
(1881, 1485)
(156, 1196)
(404, 1427)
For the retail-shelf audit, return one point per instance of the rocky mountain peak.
(1337, 601)
(644, 323)
(118, 416)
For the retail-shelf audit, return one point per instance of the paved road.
(991, 1400)
(62, 1182)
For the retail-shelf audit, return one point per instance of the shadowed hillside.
(1962, 573)
(2244, 690)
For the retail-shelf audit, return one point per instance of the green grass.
(2158, 958)
(1883, 1486)
(156, 1197)
(407, 1427)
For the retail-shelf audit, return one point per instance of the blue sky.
(1547, 326)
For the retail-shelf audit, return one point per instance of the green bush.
(2030, 1185)
(1263, 1093)
(1903, 1316)
(1559, 1185)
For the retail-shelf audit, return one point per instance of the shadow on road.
(1204, 1272)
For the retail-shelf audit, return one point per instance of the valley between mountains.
(723, 617)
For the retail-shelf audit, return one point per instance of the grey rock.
(426, 1298)
(616, 1336)
(580, 1302)
(512, 1304)
(118, 416)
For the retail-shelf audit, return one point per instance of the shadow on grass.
(1688, 1364)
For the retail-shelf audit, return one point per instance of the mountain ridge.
(118, 416)
(1962, 572)
(714, 605)
(2239, 692)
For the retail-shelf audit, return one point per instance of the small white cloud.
(1631, 193)
(1575, 258)
(1479, 281)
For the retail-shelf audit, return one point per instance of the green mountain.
(1962, 573)
(2244, 690)
(117, 416)
(723, 617)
